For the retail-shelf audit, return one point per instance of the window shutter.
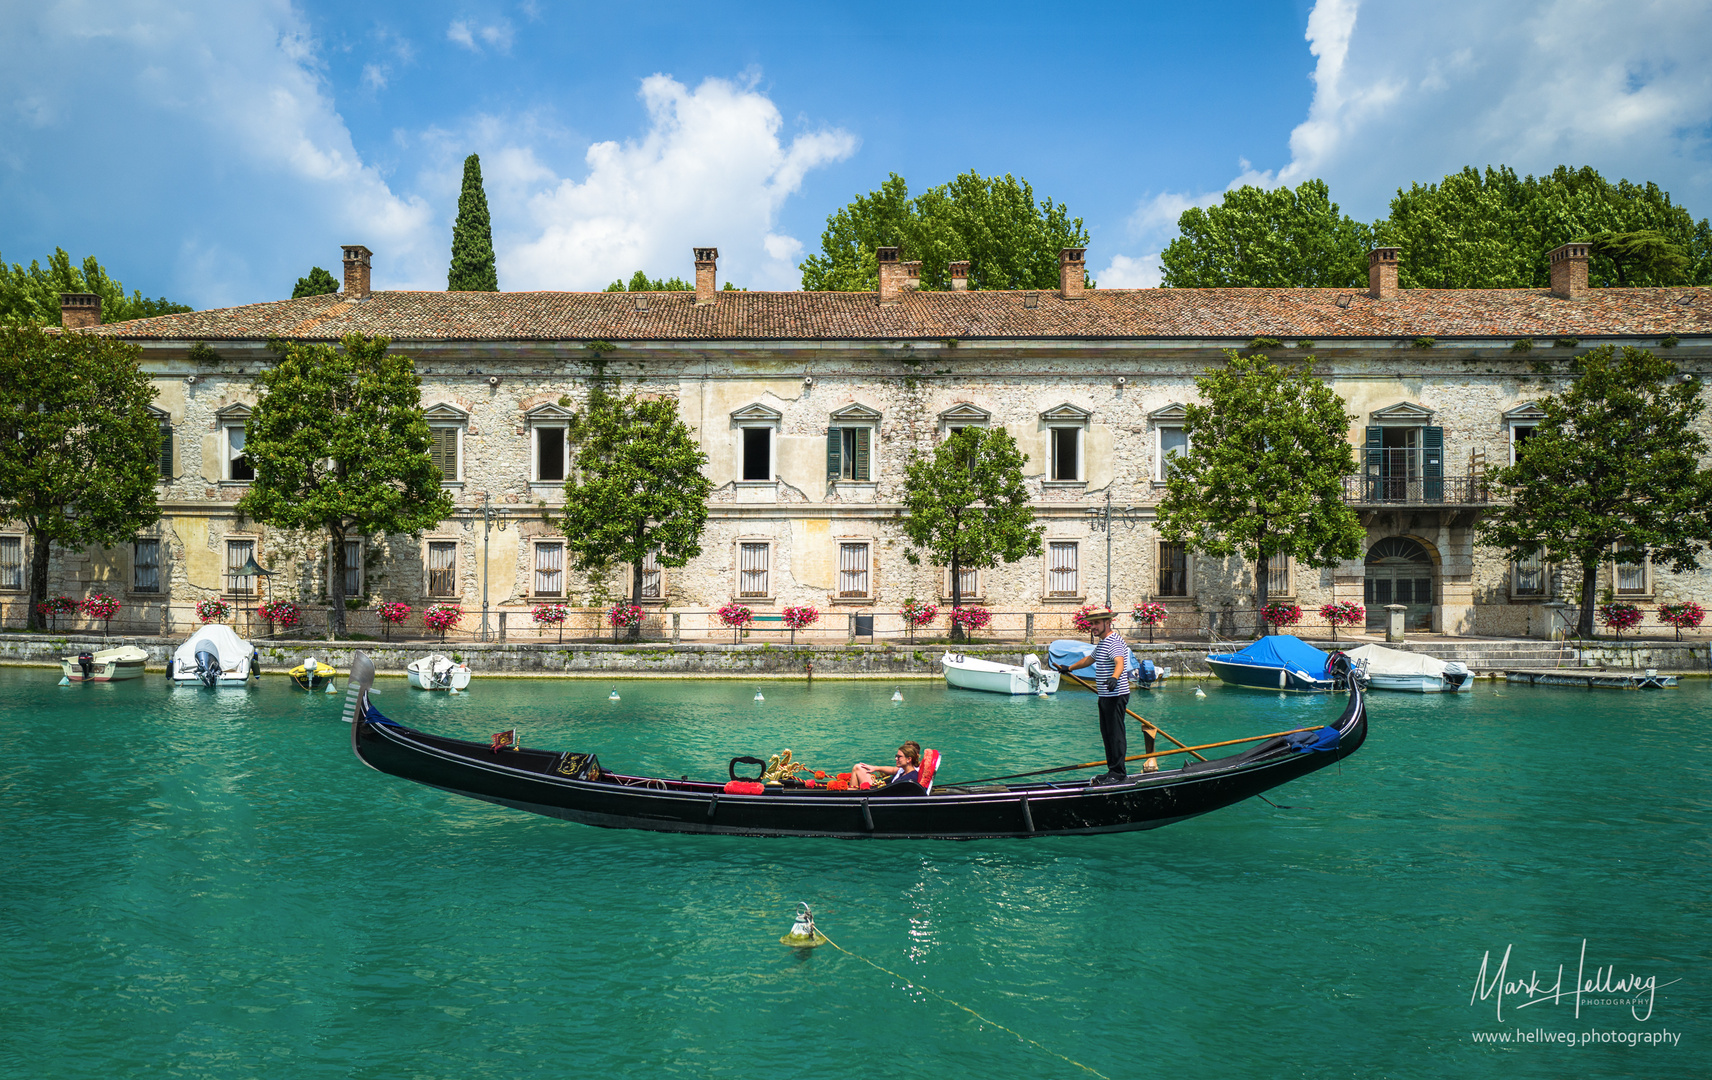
(1432, 464)
(1375, 452)
(834, 451)
(861, 470)
(166, 451)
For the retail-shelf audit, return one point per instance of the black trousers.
(1112, 732)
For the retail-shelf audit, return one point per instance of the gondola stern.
(357, 701)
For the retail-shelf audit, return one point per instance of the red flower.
(820, 774)
(838, 785)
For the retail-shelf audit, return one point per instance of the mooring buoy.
(897, 695)
(758, 696)
(612, 696)
(803, 935)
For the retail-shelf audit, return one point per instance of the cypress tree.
(472, 237)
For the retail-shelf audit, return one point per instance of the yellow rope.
(965, 1008)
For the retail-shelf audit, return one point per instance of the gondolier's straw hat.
(1098, 614)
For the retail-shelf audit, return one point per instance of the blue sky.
(213, 150)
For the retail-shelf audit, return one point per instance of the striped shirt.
(1106, 653)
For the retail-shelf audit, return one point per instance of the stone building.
(809, 406)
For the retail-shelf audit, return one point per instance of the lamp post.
(1101, 518)
(490, 514)
(253, 569)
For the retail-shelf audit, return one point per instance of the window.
(238, 465)
(653, 579)
(1066, 453)
(165, 449)
(442, 568)
(352, 567)
(1061, 576)
(1529, 576)
(1631, 576)
(550, 569)
(847, 453)
(1519, 435)
(1173, 570)
(11, 562)
(1173, 444)
(551, 455)
(757, 453)
(238, 554)
(853, 569)
(145, 566)
(1278, 575)
(443, 450)
(754, 561)
(970, 586)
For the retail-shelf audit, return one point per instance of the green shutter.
(166, 451)
(1375, 459)
(862, 435)
(1432, 464)
(834, 452)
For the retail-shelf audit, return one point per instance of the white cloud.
(375, 76)
(1124, 272)
(710, 169)
(496, 35)
(459, 33)
(1411, 92)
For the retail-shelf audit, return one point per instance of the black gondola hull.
(525, 780)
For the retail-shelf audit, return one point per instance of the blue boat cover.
(1305, 742)
(1282, 650)
(1067, 651)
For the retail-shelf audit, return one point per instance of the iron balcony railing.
(1382, 490)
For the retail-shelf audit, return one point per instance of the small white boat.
(313, 675)
(970, 673)
(1392, 669)
(108, 665)
(437, 672)
(214, 656)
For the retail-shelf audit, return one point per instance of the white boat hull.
(969, 673)
(1417, 684)
(236, 657)
(110, 665)
(1410, 672)
(438, 673)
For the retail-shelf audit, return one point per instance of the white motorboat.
(214, 656)
(437, 672)
(970, 673)
(1392, 669)
(108, 665)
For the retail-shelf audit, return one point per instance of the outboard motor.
(86, 661)
(1149, 673)
(208, 668)
(255, 663)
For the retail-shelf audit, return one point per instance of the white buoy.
(897, 695)
(64, 680)
(803, 935)
(454, 692)
(758, 696)
(612, 696)
(1199, 692)
(331, 689)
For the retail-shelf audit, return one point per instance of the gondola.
(574, 787)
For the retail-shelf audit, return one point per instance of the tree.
(1264, 473)
(1612, 474)
(1009, 240)
(637, 488)
(966, 507)
(339, 444)
(1641, 255)
(318, 283)
(33, 295)
(1283, 238)
(473, 268)
(641, 282)
(79, 449)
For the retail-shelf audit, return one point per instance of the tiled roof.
(1101, 314)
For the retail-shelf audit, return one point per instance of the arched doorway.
(1399, 571)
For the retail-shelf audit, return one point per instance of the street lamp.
(490, 514)
(252, 569)
(1101, 518)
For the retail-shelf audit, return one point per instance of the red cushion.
(745, 787)
(929, 765)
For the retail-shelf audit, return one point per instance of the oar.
(1136, 757)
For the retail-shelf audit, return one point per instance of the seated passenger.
(908, 767)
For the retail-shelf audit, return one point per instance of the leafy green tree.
(641, 282)
(32, 295)
(1645, 254)
(79, 449)
(1282, 238)
(1613, 473)
(473, 268)
(318, 283)
(1009, 240)
(339, 444)
(1264, 473)
(966, 506)
(637, 487)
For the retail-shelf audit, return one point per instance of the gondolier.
(1111, 682)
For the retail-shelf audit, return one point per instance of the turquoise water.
(207, 884)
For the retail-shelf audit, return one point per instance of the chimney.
(891, 274)
(356, 272)
(1569, 271)
(959, 275)
(1382, 273)
(1072, 272)
(912, 275)
(706, 275)
(80, 309)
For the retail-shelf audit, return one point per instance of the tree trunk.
(636, 597)
(336, 588)
(39, 552)
(956, 598)
(1589, 598)
(1262, 573)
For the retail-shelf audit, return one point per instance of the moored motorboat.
(973, 673)
(1143, 674)
(575, 787)
(108, 665)
(437, 672)
(313, 675)
(214, 656)
(1280, 662)
(1394, 669)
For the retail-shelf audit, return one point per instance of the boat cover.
(1067, 651)
(228, 647)
(1383, 661)
(1282, 651)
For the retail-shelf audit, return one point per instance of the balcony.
(1381, 490)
